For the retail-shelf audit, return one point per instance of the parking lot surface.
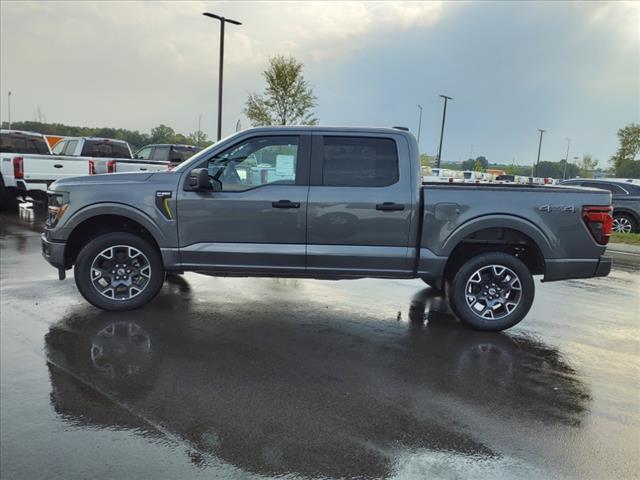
(262, 378)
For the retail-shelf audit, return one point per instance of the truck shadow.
(306, 392)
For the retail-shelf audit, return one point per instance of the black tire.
(624, 223)
(432, 284)
(120, 300)
(500, 288)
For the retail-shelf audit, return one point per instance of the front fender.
(113, 208)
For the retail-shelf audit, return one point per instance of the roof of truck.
(22, 132)
(327, 128)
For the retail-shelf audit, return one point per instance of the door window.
(70, 148)
(161, 153)
(58, 148)
(256, 162)
(144, 154)
(359, 162)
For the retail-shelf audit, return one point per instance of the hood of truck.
(105, 179)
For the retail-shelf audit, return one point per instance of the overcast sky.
(570, 68)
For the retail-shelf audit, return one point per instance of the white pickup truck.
(28, 166)
(106, 155)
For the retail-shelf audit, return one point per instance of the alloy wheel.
(493, 292)
(120, 272)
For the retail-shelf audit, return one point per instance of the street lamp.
(9, 107)
(223, 20)
(419, 125)
(566, 159)
(444, 116)
(535, 167)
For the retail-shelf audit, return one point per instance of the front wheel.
(119, 271)
(492, 291)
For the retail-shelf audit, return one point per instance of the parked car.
(327, 203)
(14, 144)
(107, 155)
(626, 200)
(167, 152)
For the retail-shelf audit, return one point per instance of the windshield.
(23, 143)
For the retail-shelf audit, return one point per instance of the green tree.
(162, 134)
(625, 161)
(288, 98)
(198, 138)
(587, 165)
(477, 166)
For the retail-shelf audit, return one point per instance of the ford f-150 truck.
(327, 203)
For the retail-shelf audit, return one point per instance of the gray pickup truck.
(326, 203)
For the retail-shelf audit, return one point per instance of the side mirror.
(199, 179)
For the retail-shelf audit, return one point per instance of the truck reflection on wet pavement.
(240, 378)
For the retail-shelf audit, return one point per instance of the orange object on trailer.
(53, 139)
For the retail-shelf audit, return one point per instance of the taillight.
(111, 166)
(18, 167)
(92, 167)
(599, 221)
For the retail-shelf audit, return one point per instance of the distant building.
(495, 171)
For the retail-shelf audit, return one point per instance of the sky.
(570, 68)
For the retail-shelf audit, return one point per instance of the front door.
(258, 221)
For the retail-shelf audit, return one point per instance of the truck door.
(361, 202)
(258, 221)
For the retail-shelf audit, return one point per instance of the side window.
(359, 162)
(70, 148)
(58, 148)
(144, 154)
(161, 153)
(256, 162)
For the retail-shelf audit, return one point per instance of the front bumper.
(566, 268)
(53, 252)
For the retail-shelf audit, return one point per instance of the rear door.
(258, 221)
(360, 205)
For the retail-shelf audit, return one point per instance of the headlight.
(58, 204)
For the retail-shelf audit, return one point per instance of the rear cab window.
(15, 142)
(105, 148)
(359, 161)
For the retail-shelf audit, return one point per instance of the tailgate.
(47, 168)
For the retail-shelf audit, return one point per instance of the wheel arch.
(95, 220)
(503, 233)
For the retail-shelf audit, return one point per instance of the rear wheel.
(624, 223)
(492, 291)
(119, 271)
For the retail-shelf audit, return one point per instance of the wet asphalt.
(280, 378)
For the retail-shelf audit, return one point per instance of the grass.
(628, 238)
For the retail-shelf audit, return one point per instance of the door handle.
(389, 207)
(285, 204)
(57, 165)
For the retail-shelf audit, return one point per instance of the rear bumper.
(566, 268)
(53, 252)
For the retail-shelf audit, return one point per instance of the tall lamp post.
(444, 116)
(566, 159)
(535, 167)
(419, 125)
(9, 107)
(223, 20)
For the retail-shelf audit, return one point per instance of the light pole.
(535, 167)
(9, 107)
(223, 20)
(419, 125)
(566, 159)
(444, 116)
